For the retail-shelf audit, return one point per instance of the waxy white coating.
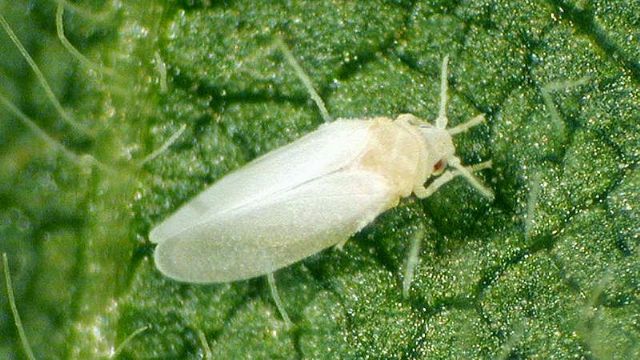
(306, 196)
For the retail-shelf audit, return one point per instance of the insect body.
(306, 196)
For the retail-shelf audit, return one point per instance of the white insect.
(309, 195)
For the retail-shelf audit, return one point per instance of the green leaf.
(550, 269)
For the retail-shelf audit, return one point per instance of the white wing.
(286, 227)
(329, 148)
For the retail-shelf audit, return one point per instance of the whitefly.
(311, 194)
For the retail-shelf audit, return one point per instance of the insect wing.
(262, 237)
(331, 147)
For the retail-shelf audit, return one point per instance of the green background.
(550, 269)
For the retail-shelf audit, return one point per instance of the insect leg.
(476, 120)
(480, 166)
(444, 178)
(412, 261)
(276, 298)
(208, 355)
(340, 245)
(304, 78)
(449, 175)
(467, 173)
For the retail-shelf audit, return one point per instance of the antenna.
(441, 121)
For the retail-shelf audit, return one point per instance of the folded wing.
(261, 237)
(329, 148)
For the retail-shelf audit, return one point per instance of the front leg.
(340, 245)
(422, 192)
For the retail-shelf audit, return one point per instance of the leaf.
(550, 269)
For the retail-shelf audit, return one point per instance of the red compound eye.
(438, 166)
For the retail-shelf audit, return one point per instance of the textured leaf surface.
(551, 269)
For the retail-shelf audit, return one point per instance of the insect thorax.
(394, 152)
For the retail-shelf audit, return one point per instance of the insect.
(309, 195)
